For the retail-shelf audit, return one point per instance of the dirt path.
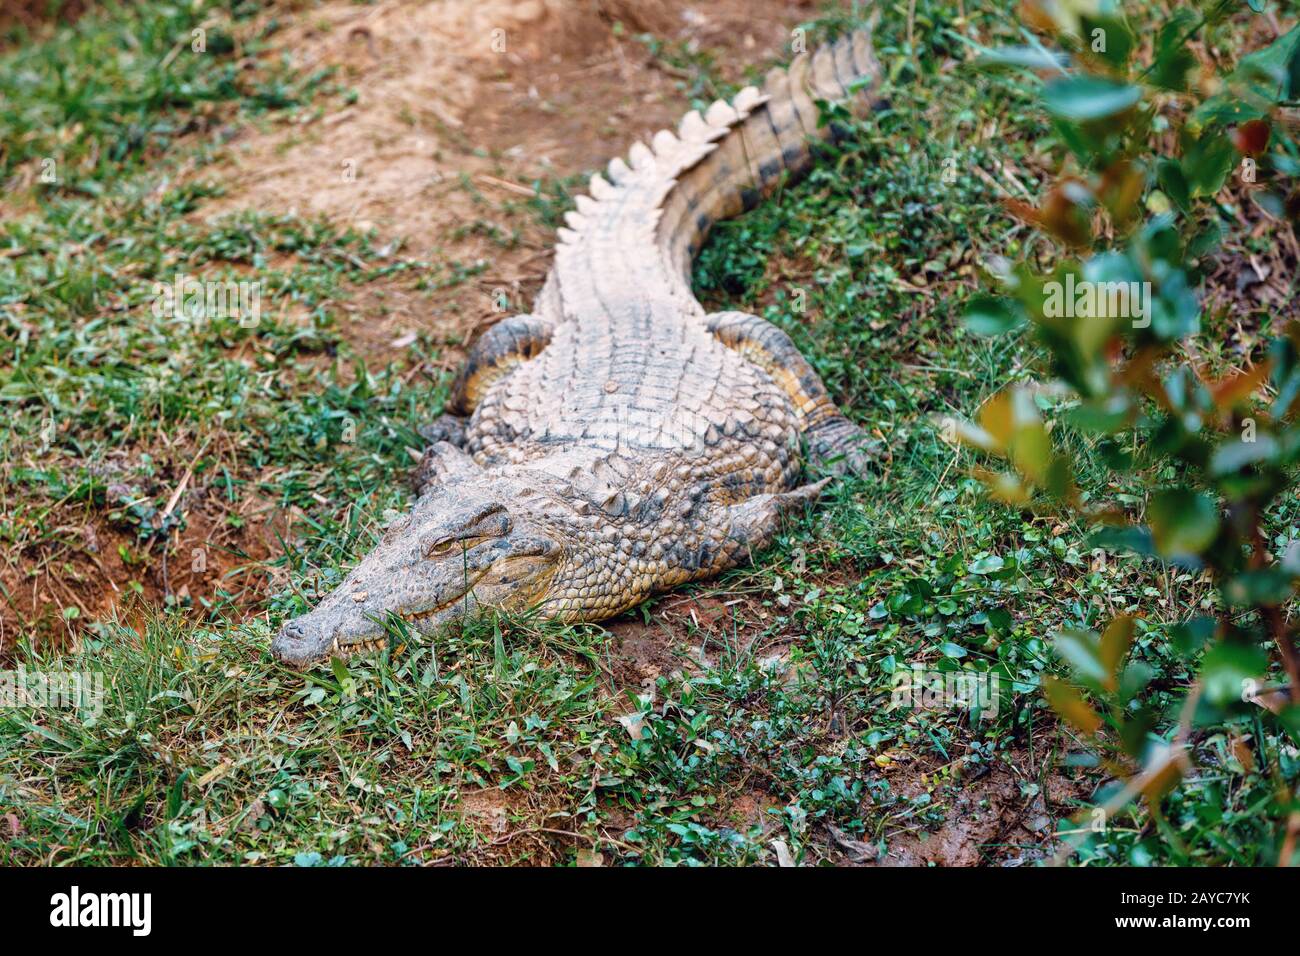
(459, 107)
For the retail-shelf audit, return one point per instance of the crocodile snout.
(296, 646)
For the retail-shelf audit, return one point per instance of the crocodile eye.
(443, 546)
(440, 547)
(491, 522)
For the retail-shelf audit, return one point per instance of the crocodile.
(619, 440)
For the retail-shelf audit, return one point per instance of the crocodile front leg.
(446, 427)
(834, 443)
(731, 536)
(496, 352)
(441, 461)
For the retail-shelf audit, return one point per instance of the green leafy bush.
(1164, 157)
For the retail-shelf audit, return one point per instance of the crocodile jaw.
(458, 548)
(321, 634)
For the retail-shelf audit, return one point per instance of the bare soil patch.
(457, 108)
(90, 564)
(997, 815)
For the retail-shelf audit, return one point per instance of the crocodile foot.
(839, 447)
(449, 428)
(440, 462)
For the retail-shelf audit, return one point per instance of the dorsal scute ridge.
(640, 156)
(668, 156)
(693, 128)
(619, 171)
(721, 113)
(665, 142)
(747, 99)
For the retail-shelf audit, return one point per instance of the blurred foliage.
(1136, 210)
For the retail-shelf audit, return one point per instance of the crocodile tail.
(646, 217)
(771, 141)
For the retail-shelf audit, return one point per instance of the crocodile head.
(463, 544)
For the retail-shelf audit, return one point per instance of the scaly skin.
(618, 440)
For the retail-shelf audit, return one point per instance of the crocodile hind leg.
(754, 522)
(835, 444)
(497, 351)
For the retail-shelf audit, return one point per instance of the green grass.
(103, 96)
(504, 742)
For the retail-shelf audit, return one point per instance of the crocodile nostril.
(292, 631)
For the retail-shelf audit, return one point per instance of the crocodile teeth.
(357, 647)
(421, 615)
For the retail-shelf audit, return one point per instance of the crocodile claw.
(449, 428)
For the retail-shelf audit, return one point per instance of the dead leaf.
(1241, 750)
(220, 770)
(1238, 387)
(856, 850)
(634, 724)
(256, 810)
(1251, 138)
